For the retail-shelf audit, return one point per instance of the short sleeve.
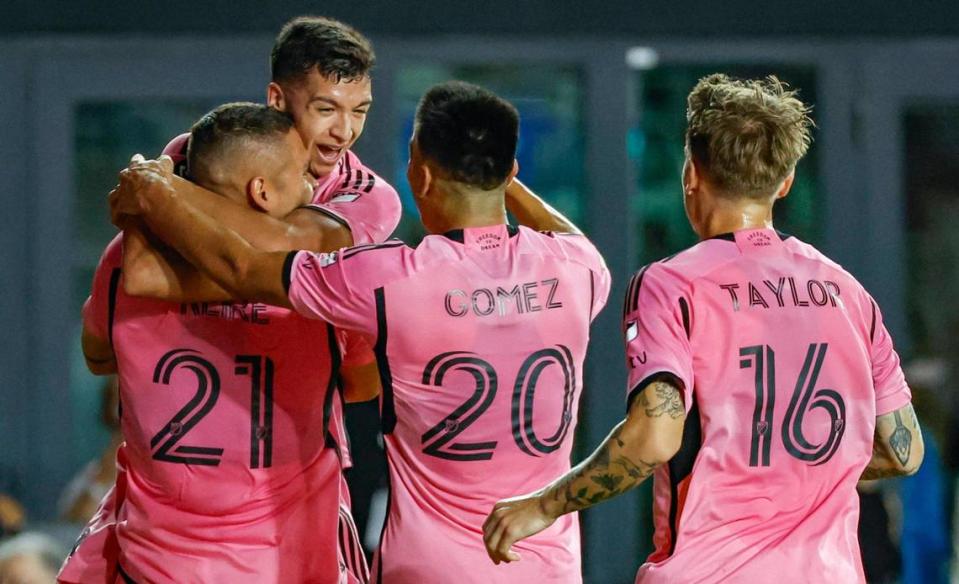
(600, 282)
(364, 202)
(98, 309)
(888, 380)
(338, 287)
(176, 149)
(655, 327)
(579, 248)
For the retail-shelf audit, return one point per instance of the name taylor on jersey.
(782, 293)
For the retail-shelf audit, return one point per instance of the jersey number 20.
(438, 440)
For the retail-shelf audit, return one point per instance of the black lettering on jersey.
(833, 290)
(484, 303)
(795, 294)
(456, 307)
(817, 293)
(503, 298)
(806, 293)
(520, 299)
(530, 298)
(755, 298)
(777, 290)
(253, 313)
(731, 288)
(554, 284)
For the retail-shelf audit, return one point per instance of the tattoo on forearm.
(603, 476)
(901, 441)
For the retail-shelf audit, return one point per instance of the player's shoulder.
(356, 177)
(808, 252)
(573, 247)
(391, 246)
(692, 263)
(373, 264)
(112, 256)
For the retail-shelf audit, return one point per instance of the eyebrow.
(334, 102)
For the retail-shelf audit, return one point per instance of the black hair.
(470, 132)
(337, 50)
(219, 131)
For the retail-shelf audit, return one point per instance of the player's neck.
(726, 216)
(226, 189)
(463, 207)
(462, 219)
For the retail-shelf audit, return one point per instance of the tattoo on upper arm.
(668, 400)
(901, 440)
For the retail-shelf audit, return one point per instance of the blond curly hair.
(746, 135)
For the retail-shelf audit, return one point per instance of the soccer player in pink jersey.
(321, 77)
(479, 332)
(763, 384)
(226, 474)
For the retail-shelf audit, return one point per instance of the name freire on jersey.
(521, 298)
(783, 292)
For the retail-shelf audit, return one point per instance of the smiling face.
(329, 114)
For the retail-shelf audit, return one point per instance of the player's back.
(789, 366)
(224, 415)
(480, 338)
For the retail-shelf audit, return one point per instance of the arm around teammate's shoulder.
(897, 448)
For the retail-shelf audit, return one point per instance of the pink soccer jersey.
(480, 336)
(786, 364)
(357, 197)
(225, 415)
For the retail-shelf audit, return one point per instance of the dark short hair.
(219, 132)
(747, 134)
(470, 132)
(335, 49)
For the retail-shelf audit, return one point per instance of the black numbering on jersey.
(805, 398)
(165, 443)
(438, 440)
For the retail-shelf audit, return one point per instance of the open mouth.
(329, 154)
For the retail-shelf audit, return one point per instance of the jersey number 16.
(805, 398)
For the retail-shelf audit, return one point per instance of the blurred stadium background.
(601, 90)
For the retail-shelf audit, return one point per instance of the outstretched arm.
(533, 212)
(897, 447)
(649, 436)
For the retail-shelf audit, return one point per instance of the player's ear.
(256, 195)
(275, 98)
(786, 185)
(420, 178)
(512, 173)
(691, 176)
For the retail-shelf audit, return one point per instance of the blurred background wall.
(601, 89)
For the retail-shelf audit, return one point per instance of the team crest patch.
(328, 259)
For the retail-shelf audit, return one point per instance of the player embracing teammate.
(763, 382)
